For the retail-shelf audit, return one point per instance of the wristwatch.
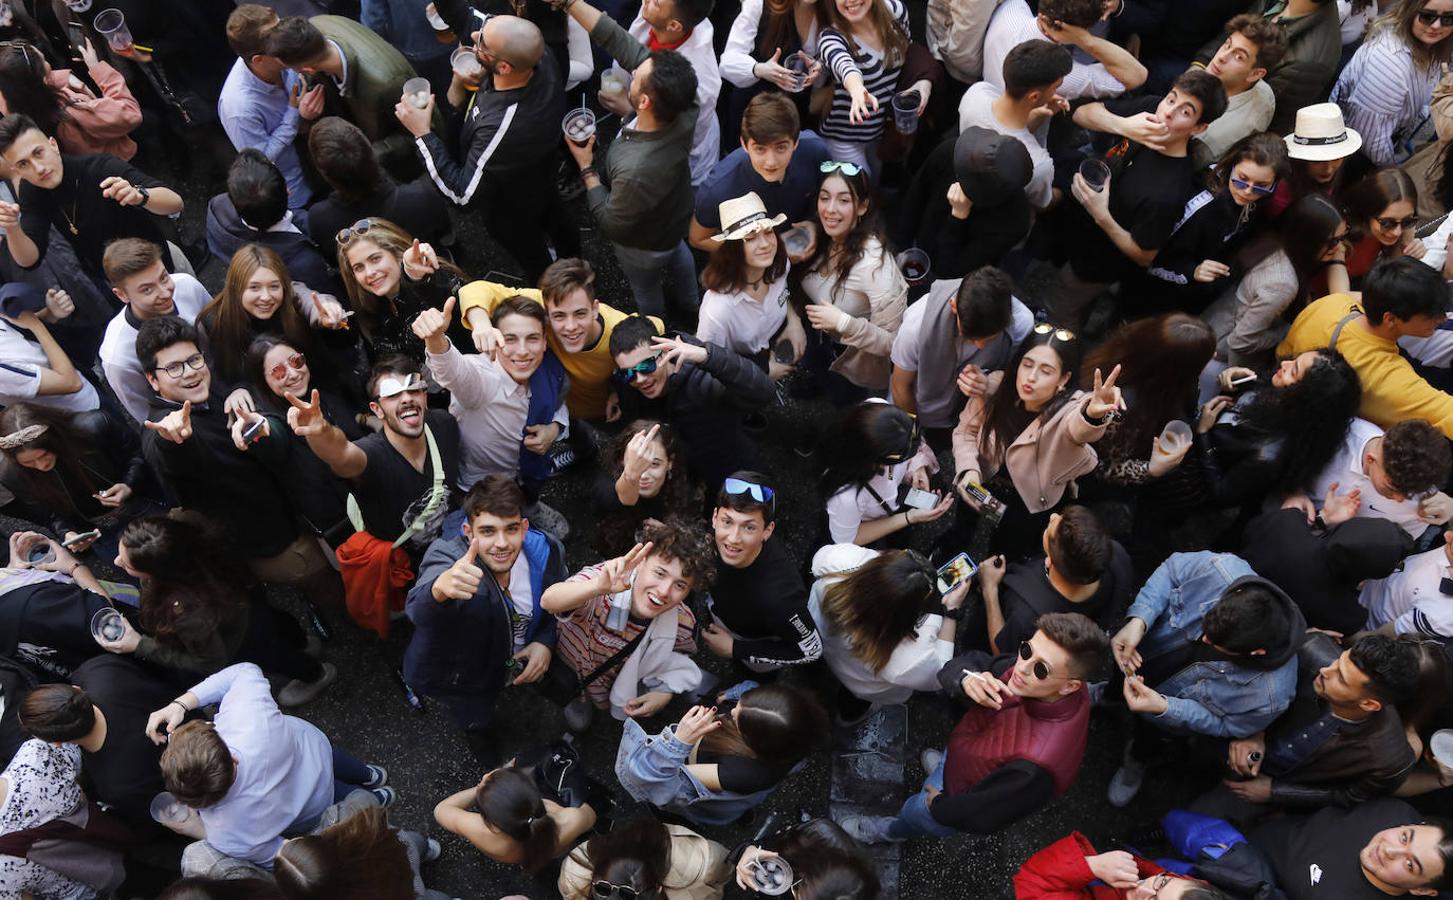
(145, 196)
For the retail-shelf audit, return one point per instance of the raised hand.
(1123, 645)
(1336, 508)
(698, 722)
(306, 418)
(160, 724)
(244, 421)
(677, 351)
(461, 580)
(487, 338)
(984, 689)
(119, 189)
(176, 426)
(1145, 128)
(419, 261)
(959, 204)
(1143, 698)
(431, 325)
(1106, 397)
(615, 575)
(937, 511)
(636, 461)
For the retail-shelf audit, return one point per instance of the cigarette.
(1243, 379)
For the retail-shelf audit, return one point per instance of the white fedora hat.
(744, 216)
(1321, 135)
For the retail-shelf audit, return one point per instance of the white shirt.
(977, 109)
(739, 55)
(701, 53)
(1012, 24)
(284, 767)
(738, 322)
(21, 360)
(850, 507)
(1346, 469)
(118, 346)
(1412, 597)
(491, 408)
(522, 598)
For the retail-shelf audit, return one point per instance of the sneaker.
(385, 795)
(562, 457)
(578, 713)
(930, 759)
(377, 776)
(1125, 783)
(868, 829)
(549, 520)
(296, 692)
(432, 850)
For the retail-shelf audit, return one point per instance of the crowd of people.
(1128, 320)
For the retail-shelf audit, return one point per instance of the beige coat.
(872, 297)
(1425, 167)
(1043, 461)
(699, 869)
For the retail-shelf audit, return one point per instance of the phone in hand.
(253, 433)
(81, 538)
(980, 494)
(920, 499)
(782, 351)
(955, 572)
(77, 34)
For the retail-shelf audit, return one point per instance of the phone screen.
(955, 572)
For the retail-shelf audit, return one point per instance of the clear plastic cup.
(40, 554)
(915, 264)
(771, 876)
(796, 239)
(1441, 745)
(1174, 436)
(1095, 173)
(614, 81)
(798, 64)
(905, 111)
(416, 92)
(107, 625)
(578, 125)
(168, 810)
(442, 32)
(465, 64)
(111, 24)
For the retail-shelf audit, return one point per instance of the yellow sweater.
(589, 370)
(1391, 391)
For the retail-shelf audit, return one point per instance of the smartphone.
(982, 496)
(82, 538)
(955, 572)
(920, 499)
(253, 433)
(77, 33)
(1236, 382)
(782, 350)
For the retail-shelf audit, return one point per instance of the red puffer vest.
(1049, 734)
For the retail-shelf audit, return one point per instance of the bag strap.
(887, 510)
(615, 658)
(436, 496)
(1337, 332)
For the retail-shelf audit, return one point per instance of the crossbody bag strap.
(615, 658)
(436, 491)
(887, 510)
(1337, 332)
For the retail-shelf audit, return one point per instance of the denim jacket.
(1220, 698)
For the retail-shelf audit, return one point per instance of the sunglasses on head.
(898, 456)
(849, 169)
(296, 362)
(1060, 334)
(1041, 668)
(1396, 224)
(644, 367)
(357, 229)
(1428, 18)
(758, 492)
(392, 387)
(605, 890)
(1241, 184)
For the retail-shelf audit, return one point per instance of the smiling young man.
(1254, 45)
(1019, 745)
(140, 280)
(476, 609)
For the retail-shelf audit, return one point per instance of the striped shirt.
(584, 641)
(879, 79)
(1385, 96)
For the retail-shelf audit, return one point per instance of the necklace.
(71, 219)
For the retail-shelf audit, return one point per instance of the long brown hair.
(878, 605)
(778, 724)
(1160, 360)
(895, 40)
(60, 439)
(359, 858)
(229, 326)
(726, 270)
(189, 576)
(391, 239)
(510, 801)
(837, 266)
(1397, 23)
(1373, 193)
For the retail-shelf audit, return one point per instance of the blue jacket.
(1220, 698)
(402, 23)
(460, 648)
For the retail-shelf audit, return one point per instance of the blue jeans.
(914, 819)
(348, 774)
(649, 271)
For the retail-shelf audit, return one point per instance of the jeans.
(348, 774)
(644, 270)
(914, 819)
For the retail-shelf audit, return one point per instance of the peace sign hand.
(1106, 397)
(615, 575)
(306, 418)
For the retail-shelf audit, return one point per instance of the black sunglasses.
(1428, 17)
(1041, 668)
(1390, 224)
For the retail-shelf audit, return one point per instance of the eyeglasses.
(897, 456)
(1428, 18)
(644, 367)
(1041, 668)
(392, 387)
(1159, 884)
(758, 492)
(849, 169)
(196, 362)
(357, 229)
(1241, 184)
(605, 890)
(1335, 240)
(1396, 224)
(1060, 334)
(297, 362)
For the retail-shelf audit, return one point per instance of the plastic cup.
(915, 265)
(417, 91)
(796, 239)
(40, 554)
(465, 64)
(578, 125)
(905, 111)
(798, 64)
(1095, 173)
(167, 810)
(614, 81)
(1175, 435)
(771, 876)
(1442, 746)
(111, 24)
(107, 625)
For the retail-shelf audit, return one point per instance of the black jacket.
(107, 453)
(227, 233)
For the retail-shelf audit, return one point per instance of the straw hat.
(1321, 135)
(742, 217)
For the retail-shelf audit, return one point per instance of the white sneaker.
(1125, 783)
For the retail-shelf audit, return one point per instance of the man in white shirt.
(1033, 73)
(1396, 475)
(1253, 47)
(1114, 71)
(1416, 599)
(33, 366)
(140, 280)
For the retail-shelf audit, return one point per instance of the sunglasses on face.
(1060, 334)
(1428, 18)
(357, 229)
(1041, 668)
(897, 456)
(849, 169)
(1396, 224)
(758, 492)
(197, 362)
(644, 367)
(296, 362)
(1335, 240)
(392, 387)
(1241, 184)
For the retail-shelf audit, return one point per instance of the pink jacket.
(94, 124)
(1043, 461)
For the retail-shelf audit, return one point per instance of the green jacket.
(374, 75)
(1314, 48)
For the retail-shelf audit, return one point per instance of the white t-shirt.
(1412, 598)
(522, 598)
(851, 507)
(21, 360)
(1346, 470)
(741, 324)
(977, 109)
(118, 346)
(1012, 24)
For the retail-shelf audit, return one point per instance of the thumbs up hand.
(461, 580)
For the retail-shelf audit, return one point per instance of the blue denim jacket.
(1218, 697)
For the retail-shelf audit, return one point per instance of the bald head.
(515, 41)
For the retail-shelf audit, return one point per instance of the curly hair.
(687, 542)
(1415, 456)
(1311, 417)
(615, 530)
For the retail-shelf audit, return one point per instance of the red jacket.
(1059, 872)
(375, 577)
